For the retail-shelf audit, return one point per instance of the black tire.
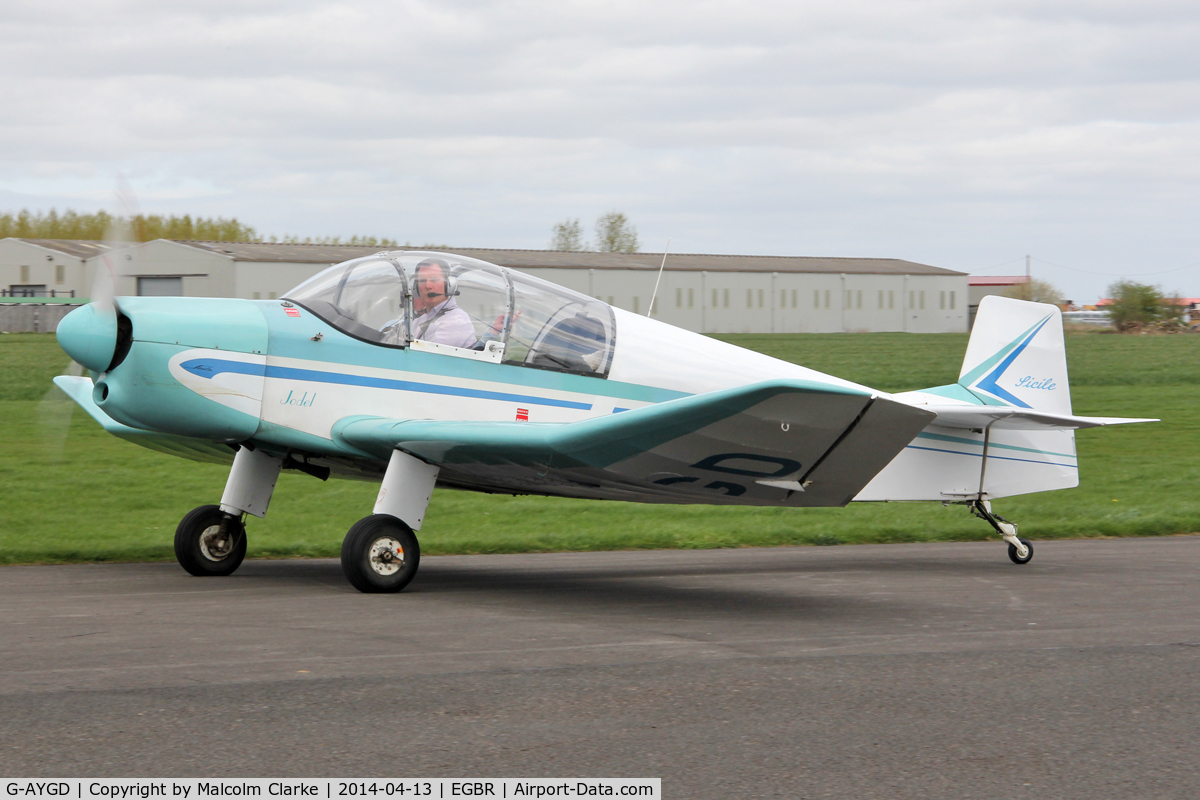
(1016, 559)
(199, 548)
(380, 554)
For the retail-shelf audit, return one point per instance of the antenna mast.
(650, 310)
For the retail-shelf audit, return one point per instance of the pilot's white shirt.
(451, 325)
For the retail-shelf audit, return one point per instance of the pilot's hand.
(497, 326)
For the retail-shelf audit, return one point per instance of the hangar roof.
(562, 259)
(79, 248)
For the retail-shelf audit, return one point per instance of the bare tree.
(614, 234)
(1036, 291)
(568, 235)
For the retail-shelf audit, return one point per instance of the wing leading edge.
(777, 443)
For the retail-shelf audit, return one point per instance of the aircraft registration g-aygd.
(422, 369)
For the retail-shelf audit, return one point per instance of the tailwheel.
(1016, 556)
(1019, 550)
(380, 554)
(210, 542)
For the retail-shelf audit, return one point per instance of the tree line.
(26, 224)
(1133, 307)
(614, 234)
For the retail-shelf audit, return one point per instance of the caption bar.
(330, 789)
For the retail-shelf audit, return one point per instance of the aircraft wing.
(79, 389)
(1024, 419)
(783, 443)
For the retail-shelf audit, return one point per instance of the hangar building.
(705, 293)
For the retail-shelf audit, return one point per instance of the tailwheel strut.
(1020, 551)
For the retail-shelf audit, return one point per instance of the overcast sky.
(959, 134)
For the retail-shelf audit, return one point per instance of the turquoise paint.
(988, 383)
(990, 456)
(954, 391)
(596, 442)
(142, 393)
(201, 322)
(278, 438)
(970, 377)
(89, 336)
(979, 443)
(80, 390)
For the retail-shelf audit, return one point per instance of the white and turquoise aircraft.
(422, 369)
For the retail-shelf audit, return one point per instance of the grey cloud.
(954, 129)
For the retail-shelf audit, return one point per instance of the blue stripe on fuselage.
(207, 368)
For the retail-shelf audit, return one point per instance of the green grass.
(74, 493)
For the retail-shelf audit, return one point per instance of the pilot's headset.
(447, 274)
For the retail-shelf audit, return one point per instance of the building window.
(612, 301)
(858, 299)
(691, 298)
(881, 299)
(849, 301)
(922, 299)
(271, 295)
(795, 294)
(60, 274)
(816, 298)
(637, 301)
(727, 298)
(951, 300)
(912, 299)
(749, 298)
(828, 297)
(24, 273)
(258, 295)
(891, 298)
(783, 299)
(942, 300)
(679, 298)
(760, 298)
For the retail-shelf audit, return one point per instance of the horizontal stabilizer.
(1022, 419)
(785, 442)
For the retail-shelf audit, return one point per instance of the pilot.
(437, 318)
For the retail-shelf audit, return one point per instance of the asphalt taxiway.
(925, 670)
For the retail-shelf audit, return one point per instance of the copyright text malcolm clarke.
(330, 788)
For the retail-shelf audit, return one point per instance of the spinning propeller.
(89, 335)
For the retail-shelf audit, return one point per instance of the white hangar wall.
(747, 302)
(743, 294)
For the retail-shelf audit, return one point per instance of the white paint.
(406, 489)
(251, 483)
(238, 391)
(653, 353)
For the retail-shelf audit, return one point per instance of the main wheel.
(203, 549)
(380, 554)
(1016, 559)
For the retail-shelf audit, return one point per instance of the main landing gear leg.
(380, 553)
(211, 540)
(1019, 550)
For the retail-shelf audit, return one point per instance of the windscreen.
(364, 297)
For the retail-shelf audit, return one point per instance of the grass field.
(74, 493)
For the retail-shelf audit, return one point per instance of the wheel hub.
(387, 556)
(214, 545)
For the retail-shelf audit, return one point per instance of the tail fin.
(1016, 356)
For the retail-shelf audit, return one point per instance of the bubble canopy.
(463, 305)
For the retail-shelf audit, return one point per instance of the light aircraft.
(473, 376)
